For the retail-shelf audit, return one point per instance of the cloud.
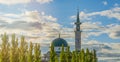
(91, 42)
(12, 2)
(91, 29)
(44, 1)
(7, 2)
(105, 2)
(28, 16)
(91, 25)
(111, 13)
(33, 25)
(114, 31)
(115, 45)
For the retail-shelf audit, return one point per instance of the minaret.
(78, 33)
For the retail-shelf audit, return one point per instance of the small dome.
(59, 42)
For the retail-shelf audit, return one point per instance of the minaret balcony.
(77, 23)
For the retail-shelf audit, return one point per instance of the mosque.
(58, 42)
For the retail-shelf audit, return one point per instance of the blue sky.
(41, 20)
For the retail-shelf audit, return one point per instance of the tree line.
(74, 56)
(13, 51)
(18, 50)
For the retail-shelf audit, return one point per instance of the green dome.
(59, 42)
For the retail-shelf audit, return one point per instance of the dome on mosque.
(58, 42)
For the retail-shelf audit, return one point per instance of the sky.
(40, 21)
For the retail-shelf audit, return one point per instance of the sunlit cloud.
(44, 1)
(111, 13)
(32, 24)
(9, 2)
(13, 2)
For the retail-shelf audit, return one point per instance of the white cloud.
(96, 29)
(91, 29)
(91, 25)
(111, 13)
(44, 1)
(105, 2)
(115, 46)
(114, 31)
(11, 2)
(28, 16)
(32, 24)
(92, 42)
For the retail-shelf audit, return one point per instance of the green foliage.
(62, 55)
(24, 52)
(56, 59)
(30, 53)
(37, 53)
(14, 52)
(82, 55)
(73, 56)
(5, 49)
(87, 57)
(68, 54)
(14, 49)
(94, 59)
(52, 54)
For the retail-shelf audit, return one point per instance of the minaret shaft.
(78, 40)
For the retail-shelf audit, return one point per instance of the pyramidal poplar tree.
(30, 53)
(37, 53)
(82, 55)
(52, 54)
(56, 59)
(73, 57)
(23, 50)
(91, 56)
(77, 56)
(4, 49)
(68, 54)
(87, 57)
(62, 55)
(14, 56)
(94, 56)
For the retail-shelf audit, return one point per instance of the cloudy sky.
(40, 21)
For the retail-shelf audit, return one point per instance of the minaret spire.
(78, 33)
(78, 20)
